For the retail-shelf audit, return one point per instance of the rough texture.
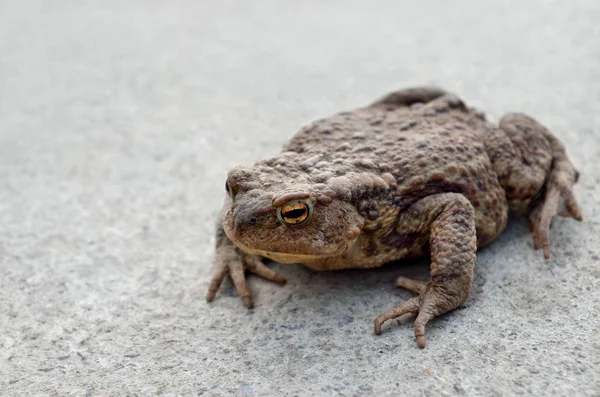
(416, 173)
(119, 122)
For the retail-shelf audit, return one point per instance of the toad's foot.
(453, 246)
(231, 260)
(558, 188)
(433, 300)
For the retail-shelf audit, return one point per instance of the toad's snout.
(245, 217)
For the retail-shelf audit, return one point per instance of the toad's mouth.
(285, 257)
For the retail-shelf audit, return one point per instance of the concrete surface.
(118, 123)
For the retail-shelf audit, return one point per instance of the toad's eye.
(295, 212)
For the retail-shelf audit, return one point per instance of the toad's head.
(287, 217)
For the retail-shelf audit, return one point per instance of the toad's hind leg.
(535, 171)
(451, 229)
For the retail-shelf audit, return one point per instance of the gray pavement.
(119, 121)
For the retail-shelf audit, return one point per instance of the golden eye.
(295, 213)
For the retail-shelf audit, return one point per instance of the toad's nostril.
(248, 215)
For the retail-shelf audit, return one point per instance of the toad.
(416, 173)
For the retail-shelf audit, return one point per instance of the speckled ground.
(118, 123)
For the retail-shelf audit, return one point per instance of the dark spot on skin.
(372, 214)
(456, 103)
(483, 238)
(462, 222)
(407, 126)
(401, 241)
(443, 187)
(406, 199)
(371, 249)
(364, 149)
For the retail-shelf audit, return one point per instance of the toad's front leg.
(231, 260)
(451, 226)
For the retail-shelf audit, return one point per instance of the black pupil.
(294, 214)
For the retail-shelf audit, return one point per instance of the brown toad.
(415, 173)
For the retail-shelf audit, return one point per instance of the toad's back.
(429, 149)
